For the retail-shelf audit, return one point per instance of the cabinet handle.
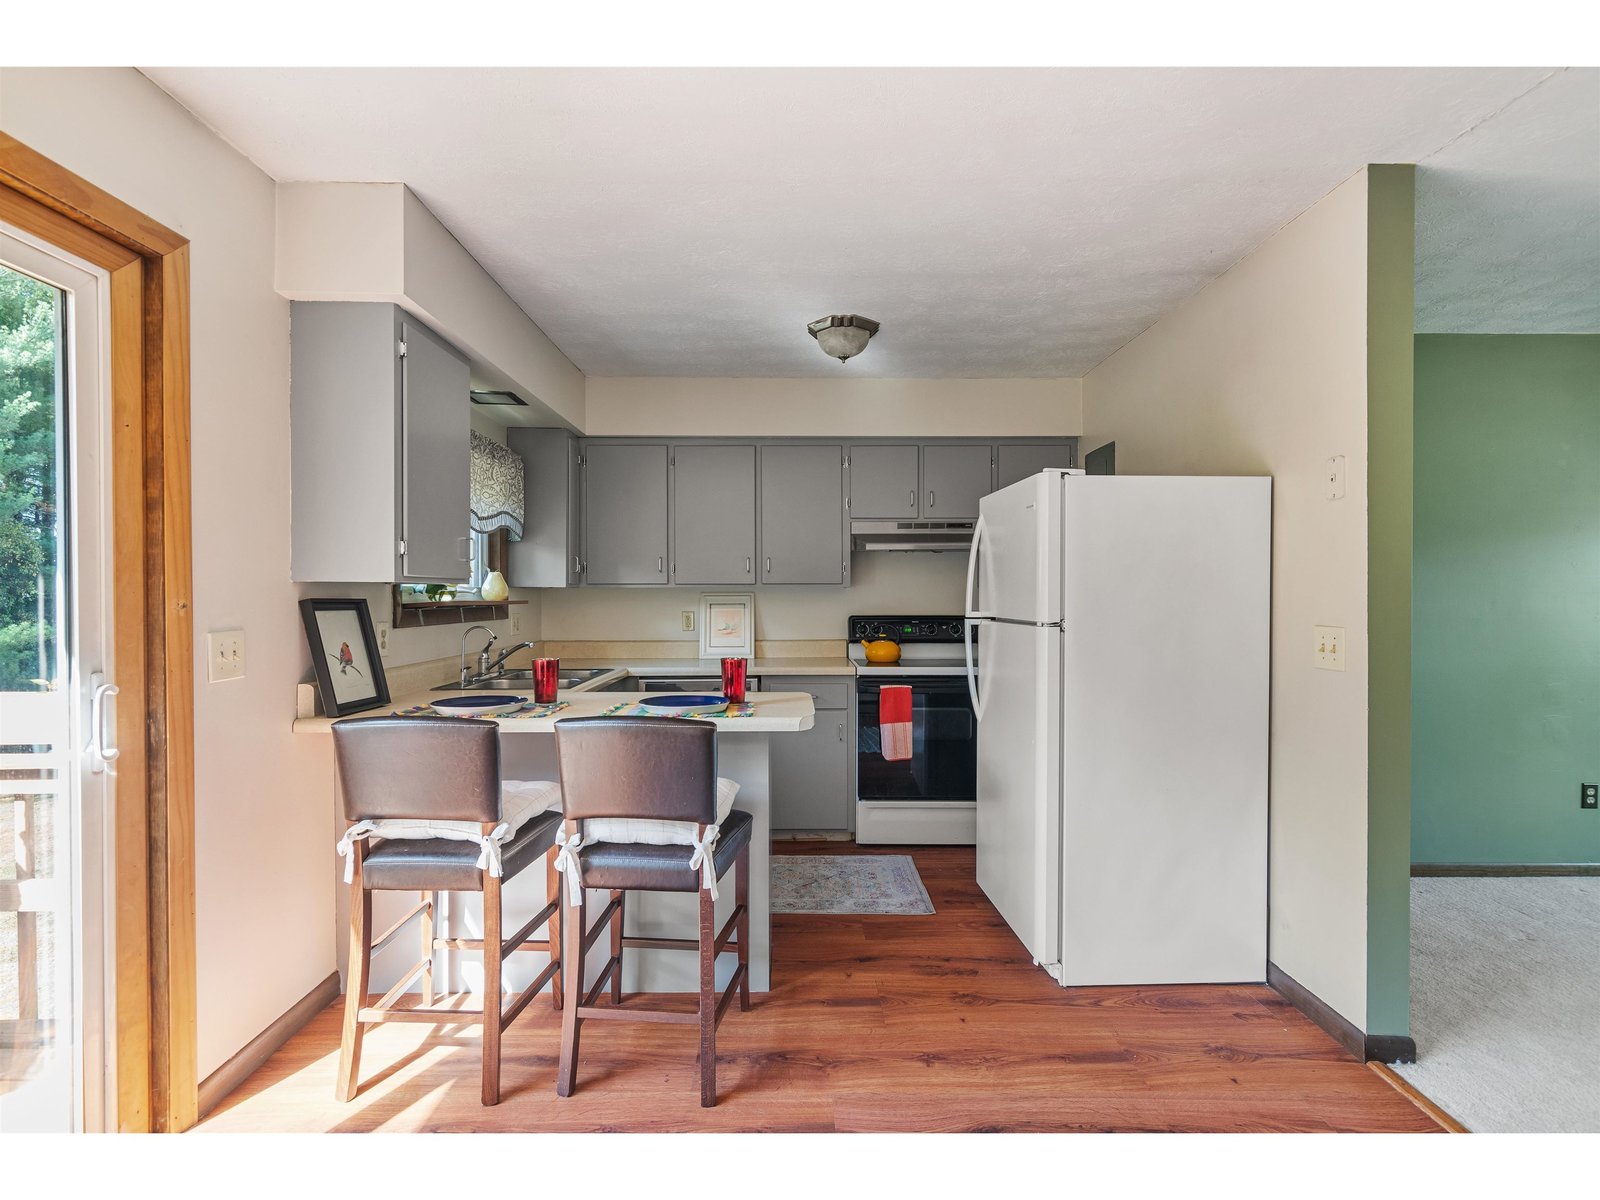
(930, 499)
(769, 564)
(661, 564)
(913, 498)
(577, 565)
(841, 732)
(747, 564)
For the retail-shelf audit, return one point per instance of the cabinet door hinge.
(402, 349)
(402, 548)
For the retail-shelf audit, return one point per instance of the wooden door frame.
(153, 942)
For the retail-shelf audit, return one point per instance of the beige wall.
(264, 874)
(1265, 372)
(842, 407)
(886, 582)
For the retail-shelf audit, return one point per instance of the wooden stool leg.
(427, 946)
(741, 897)
(356, 973)
(574, 922)
(708, 1000)
(552, 879)
(616, 946)
(491, 989)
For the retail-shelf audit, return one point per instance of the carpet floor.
(1504, 979)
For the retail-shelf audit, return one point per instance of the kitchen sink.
(522, 681)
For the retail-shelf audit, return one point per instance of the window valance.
(496, 487)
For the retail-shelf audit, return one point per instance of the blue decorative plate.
(477, 706)
(674, 705)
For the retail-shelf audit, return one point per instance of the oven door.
(944, 743)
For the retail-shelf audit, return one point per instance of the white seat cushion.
(657, 833)
(520, 801)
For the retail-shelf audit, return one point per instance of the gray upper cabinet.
(1019, 461)
(954, 479)
(435, 457)
(625, 513)
(713, 514)
(550, 553)
(884, 482)
(380, 447)
(802, 514)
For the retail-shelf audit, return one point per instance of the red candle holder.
(546, 678)
(733, 676)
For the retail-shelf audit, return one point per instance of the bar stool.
(435, 775)
(636, 783)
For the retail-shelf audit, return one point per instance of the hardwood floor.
(874, 1023)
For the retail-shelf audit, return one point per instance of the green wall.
(1506, 600)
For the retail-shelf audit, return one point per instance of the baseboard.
(1498, 870)
(215, 1087)
(1362, 1046)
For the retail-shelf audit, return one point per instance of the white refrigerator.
(1121, 693)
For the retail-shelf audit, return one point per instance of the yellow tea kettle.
(881, 651)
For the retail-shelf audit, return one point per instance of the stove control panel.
(906, 630)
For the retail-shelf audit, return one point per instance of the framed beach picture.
(344, 654)
(727, 625)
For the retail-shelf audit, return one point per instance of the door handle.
(99, 745)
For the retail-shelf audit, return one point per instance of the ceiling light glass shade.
(843, 335)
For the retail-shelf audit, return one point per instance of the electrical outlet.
(516, 622)
(1330, 647)
(383, 638)
(1589, 795)
(225, 655)
(686, 617)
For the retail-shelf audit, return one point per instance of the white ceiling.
(1000, 223)
(1508, 218)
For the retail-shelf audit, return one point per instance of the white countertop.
(775, 712)
(712, 667)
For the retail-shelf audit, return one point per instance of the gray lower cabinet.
(810, 773)
(625, 513)
(550, 553)
(380, 425)
(802, 514)
(883, 482)
(954, 479)
(713, 514)
(1018, 462)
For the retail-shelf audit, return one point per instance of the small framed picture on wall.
(344, 654)
(727, 625)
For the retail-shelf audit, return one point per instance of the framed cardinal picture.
(344, 654)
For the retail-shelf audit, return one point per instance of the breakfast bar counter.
(528, 751)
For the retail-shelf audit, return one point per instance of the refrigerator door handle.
(970, 602)
(972, 669)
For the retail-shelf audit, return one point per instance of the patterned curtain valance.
(496, 487)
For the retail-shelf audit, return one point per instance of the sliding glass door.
(57, 769)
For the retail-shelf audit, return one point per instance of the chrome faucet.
(483, 655)
(505, 654)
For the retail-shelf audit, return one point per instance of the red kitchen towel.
(894, 721)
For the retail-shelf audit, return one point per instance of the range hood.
(911, 535)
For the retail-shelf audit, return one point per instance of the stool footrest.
(653, 1016)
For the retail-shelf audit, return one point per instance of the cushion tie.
(359, 832)
(567, 863)
(488, 845)
(704, 858)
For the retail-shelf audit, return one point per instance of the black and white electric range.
(931, 797)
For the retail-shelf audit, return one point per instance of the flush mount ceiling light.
(843, 335)
(498, 398)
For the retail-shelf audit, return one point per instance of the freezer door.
(1019, 781)
(1015, 570)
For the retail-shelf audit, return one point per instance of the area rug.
(1504, 976)
(854, 883)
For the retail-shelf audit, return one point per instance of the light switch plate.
(1333, 478)
(225, 655)
(1329, 647)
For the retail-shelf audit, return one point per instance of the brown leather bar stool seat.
(655, 778)
(439, 769)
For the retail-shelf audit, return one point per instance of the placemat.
(530, 709)
(630, 708)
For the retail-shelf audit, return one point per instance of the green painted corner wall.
(1506, 641)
